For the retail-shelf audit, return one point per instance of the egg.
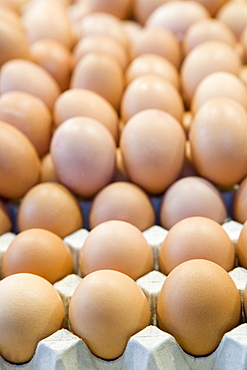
(40, 252)
(83, 153)
(191, 196)
(193, 238)
(143, 8)
(149, 139)
(234, 14)
(19, 162)
(243, 41)
(84, 102)
(122, 201)
(119, 8)
(198, 303)
(6, 223)
(240, 202)
(208, 57)
(30, 115)
(100, 73)
(116, 245)
(50, 206)
(106, 309)
(151, 91)
(212, 5)
(218, 140)
(31, 310)
(47, 171)
(34, 80)
(219, 84)
(245, 300)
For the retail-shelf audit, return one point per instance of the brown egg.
(243, 40)
(196, 237)
(106, 309)
(206, 58)
(30, 115)
(31, 310)
(119, 8)
(55, 58)
(152, 64)
(19, 162)
(83, 153)
(15, 5)
(242, 246)
(219, 84)
(50, 206)
(47, 20)
(245, 300)
(83, 102)
(101, 74)
(188, 168)
(105, 44)
(34, 80)
(149, 139)
(151, 91)
(122, 201)
(6, 223)
(40, 252)
(218, 138)
(234, 14)
(120, 174)
(116, 245)
(207, 302)
(191, 196)
(240, 202)
(212, 5)
(177, 16)
(206, 30)
(143, 8)
(157, 41)
(14, 42)
(47, 170)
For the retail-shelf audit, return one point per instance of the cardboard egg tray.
(151, 348)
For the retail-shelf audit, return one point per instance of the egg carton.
(149, 349)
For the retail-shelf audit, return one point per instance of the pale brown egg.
(150, 139)
(83, 153)
(101, 74)
(106, 309)
(50, 206)
(15, 5)
(243, 41)
(156, 41)
(119, 8)
(177, 16)
(206, 30)
(31, 310)
(234, 14)
(122, 201)
(116, 245)
(6, 223)
(143, 8)
(120, 174)
(191, 196)
(240, 202)
(30, 115)
(245, 301)
(206, 58)
(40, 252)
(198, 303)
(188, 168)
(218, 138)
(219, 84)
(212, 5)
(242, 246)
(19, 162)
(152, 64)
(34, 80)
(47, 170)
(55, 58)
(243, 74)
(84, 102)
(196, 237)
(151, 91)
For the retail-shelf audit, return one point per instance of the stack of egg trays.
(149, 349)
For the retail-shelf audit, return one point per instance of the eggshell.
(143, 8)
(234, 14)
(101, 74)
(34, 80)
(31, 310)
(151, 91)
(242, 246)
(240, 202)
(83, 153)
(119, 8)
(198, 303)
(193, 238)
(212, 5)
(243, 40)
(15, 5)
(208, 57)
(191, 196)
(50, 206)
(47, 170)
(83, 102)
(218, 138)
(40, 252)
(149, 139)
(116, 245)
(30, 115)
(122, 201)
(6, 223)
(19, 162)
(106, 309)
